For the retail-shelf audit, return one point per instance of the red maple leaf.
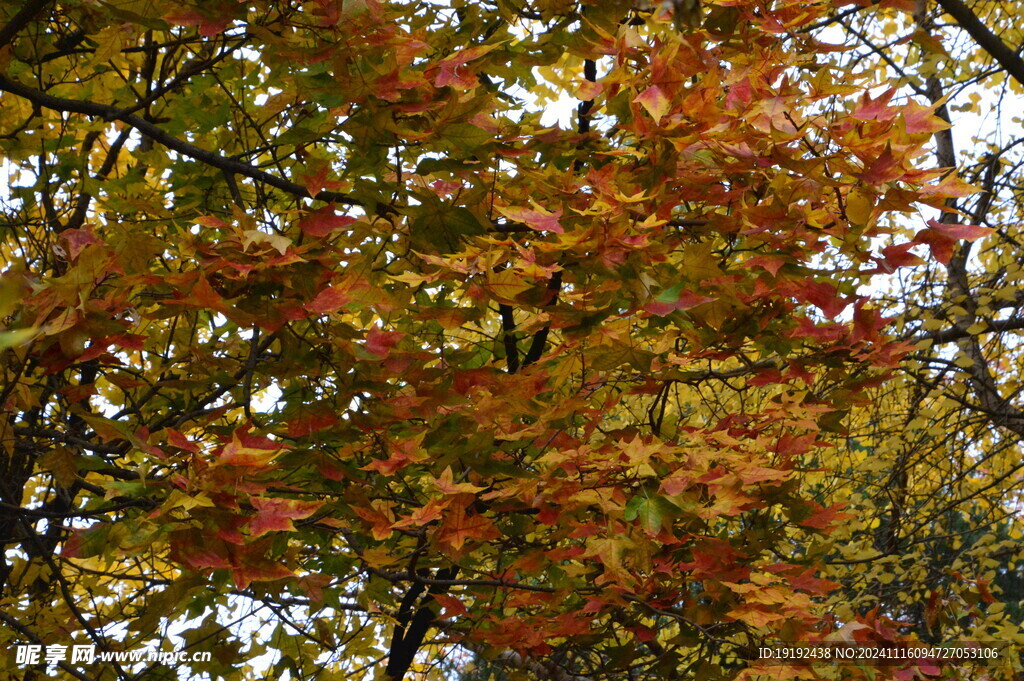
(941, 237)
(883, 169)
(276, 515)
(323, 221)
(877, 109)
(823, 517)
(823, 296)
(536, 219)
(380, 342)
(329, 300)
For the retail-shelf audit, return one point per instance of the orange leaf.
(654, 101)
(459, 527)
(259, 571)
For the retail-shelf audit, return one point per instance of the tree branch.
(157, 134)
(541, 337)
(21, 20)
(406, 640)
(958, 333)
(986, 39)
(508, 330)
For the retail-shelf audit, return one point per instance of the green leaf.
(10, 339)
(465, 136)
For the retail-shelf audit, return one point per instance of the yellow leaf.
(859, 206)
(505, 285)
(277, 241)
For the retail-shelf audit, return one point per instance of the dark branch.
(540, 338)
(508, 328)
(986, 39)
(409, 632)
(27, 12)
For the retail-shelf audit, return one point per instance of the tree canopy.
(562, 339)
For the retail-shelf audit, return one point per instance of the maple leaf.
(649, 511)
(198, 552)
(769, 263)
(920, 119)
(433, 510)
(589, 90)
(678, 482)
(230, 530)
(258, 569)
(755, 617)
(823, 296)
(896, 256)
(254, 236)
(957, 231)
(210, 221)
(951, 186)
(506, 285)
(941, 237)
(459, 527)
(316, 181)
(451, 70)
(882, 169)
(752, 475)
(821, 517)
(676, 297)
(401, 454)
(276, 515)
(202, 295)
(610, 551)
(75, 240)
(330, 299)
(208, 26)
(311, 421)
(249, 450)
(654, 101)
(806, 581)
(446, 484)
(380, 342)
(381, 517)
(323, 221)
(452, 607)
(177, 439)
(877, 108)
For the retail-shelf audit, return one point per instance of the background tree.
(934, 464)
(316, 329)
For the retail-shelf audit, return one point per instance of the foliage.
(317, 327)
